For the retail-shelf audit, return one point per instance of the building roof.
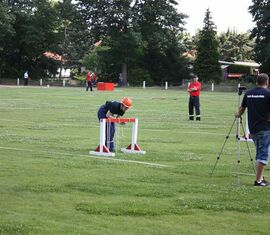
(249, 64)
(97, 43)
(225, 62)
(52, 55)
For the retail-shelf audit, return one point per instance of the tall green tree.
(206, 65)
(235, 46)
(140, 34)
(76, 39)
(6, 32)
(160, 24)
(34, 25)
(111, 21)
(260, 11)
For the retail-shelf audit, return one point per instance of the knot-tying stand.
(102, 149)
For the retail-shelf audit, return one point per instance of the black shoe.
(112, 150)
(263, 183)
(263, 180)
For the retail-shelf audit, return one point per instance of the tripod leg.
(239, 121)
(218, 157)
(249, 152)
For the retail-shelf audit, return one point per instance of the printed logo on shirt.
(255, 96)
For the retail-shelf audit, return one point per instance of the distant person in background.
(89, 78)
(194, 89)
(113, 109)
(120, 80)
(94, 79)
(26, 78)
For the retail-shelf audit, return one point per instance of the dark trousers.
(89, 85)
(110, 128)
(25, 82)
(194, 102)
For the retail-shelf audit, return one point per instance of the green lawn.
(50, 185)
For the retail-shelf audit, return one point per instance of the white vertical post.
(102, 150)
(102, 134)
(166, 85)
(134, 134)
(40, 82)
(64, 82)
(18, 81)
(212, 88)
(143, 84)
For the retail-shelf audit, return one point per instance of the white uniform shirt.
(26, 75)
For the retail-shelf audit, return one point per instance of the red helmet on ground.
(127, 102)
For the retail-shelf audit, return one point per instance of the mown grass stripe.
(95, 157)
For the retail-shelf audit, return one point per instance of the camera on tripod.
(241, 89)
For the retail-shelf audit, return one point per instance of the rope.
(108, 134)
(119, 131)
(122, 131)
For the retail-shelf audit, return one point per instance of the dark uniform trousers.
(110, 128)
(194, 101)
(89, 84)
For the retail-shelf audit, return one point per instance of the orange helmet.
(127, 102)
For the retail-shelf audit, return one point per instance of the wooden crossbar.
(120, 120)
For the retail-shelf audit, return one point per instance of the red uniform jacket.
(193, 85)
(89, 77)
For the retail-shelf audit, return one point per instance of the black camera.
(241, 89)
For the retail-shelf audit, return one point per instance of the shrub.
(137, 76)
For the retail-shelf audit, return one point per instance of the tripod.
(239, 124)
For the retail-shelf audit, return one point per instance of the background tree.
(235, 46)
(6, 31)
(260, 11)
(206, 65)
(139, 37)
(111, 21)
(76, 39)
(187, 41)
(140, 34)
(33, 28)
(159, 24)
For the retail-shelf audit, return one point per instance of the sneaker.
(263, 183)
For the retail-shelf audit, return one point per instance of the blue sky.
(231, 14)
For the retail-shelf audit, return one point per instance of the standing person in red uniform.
(194, 89)
(94, 79)
(89, 79)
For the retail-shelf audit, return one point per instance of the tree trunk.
(124, 73)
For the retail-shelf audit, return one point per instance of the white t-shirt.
(26, 75)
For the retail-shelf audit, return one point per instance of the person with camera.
(257, 102)
(194, 89)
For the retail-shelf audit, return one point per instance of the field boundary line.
(95, 157)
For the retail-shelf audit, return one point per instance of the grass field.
(50, 185)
